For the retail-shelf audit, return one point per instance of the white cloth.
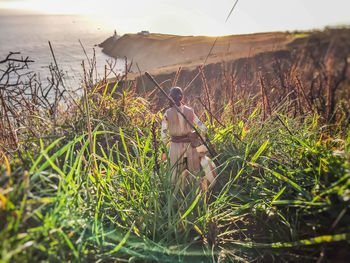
(164, 129)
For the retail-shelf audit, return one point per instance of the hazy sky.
(198, 17)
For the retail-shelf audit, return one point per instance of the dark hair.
(177, 95)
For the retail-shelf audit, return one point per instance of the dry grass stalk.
(88, 120)
(25, 103)
(205, 84)
(11, 130)
(176, 78)
(142, 81)
(302, 92)
(262, 95)
(126, 73)
(210, 113)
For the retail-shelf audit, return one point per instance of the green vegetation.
(282, 192)
(300, 35)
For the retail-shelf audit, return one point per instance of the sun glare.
(194, 17)
(50, 7)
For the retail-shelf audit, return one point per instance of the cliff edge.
(155, 51)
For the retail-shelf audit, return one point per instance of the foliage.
(101, 193)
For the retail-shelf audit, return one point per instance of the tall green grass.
(282, 192)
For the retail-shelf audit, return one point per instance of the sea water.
(29, 35)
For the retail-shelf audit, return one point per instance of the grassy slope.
(282, 193)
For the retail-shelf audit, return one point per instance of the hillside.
(159, 50)
(312, 67)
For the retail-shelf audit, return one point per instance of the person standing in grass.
(184, 158)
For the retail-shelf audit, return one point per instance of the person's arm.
(200, 125)
(163, 134)
(164, 129)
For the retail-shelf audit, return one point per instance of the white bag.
(208, 166)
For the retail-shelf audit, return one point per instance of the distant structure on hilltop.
(144, 33)
(115, 35)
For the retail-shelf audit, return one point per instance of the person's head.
(177, 95)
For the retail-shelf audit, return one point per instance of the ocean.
(29, 34)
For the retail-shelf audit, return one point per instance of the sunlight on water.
(29, 34)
